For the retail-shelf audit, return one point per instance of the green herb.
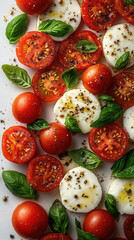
(86, 46)
(122, 61)
(55, 28)
(16, 28)
(83, 235)
(17, 76)
(71, 124)
(85, 158)
(106, 98)
(18, 185)
(70, 77)
(131, 2)
(110, 204)
(38, 125)
(58, 218)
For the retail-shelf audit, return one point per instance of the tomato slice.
(36, 50)
(98, 15)
(56, 236)
(44, 173)
(122, 89)
(125, 10)
(70, 57)
(129, 227)
(109, 142)
(18, 144)
(48, 83)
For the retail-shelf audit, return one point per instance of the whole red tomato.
(33, 6)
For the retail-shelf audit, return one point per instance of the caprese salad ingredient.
(81, 234)
(70, 77)
(128, 122)
(128, 227)
(126, 9)
(111, 206)
(71, 124)
(33, 6)
(39, 124)
(122, 61)
(56, 236)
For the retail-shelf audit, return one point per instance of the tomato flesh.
(33, 6)
(129, 227)
(125, 10)
(56, 236)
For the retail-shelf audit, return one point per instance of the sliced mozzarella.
(67, 11)
(128, 122)
(118, 40)
(123, 191)
(80, 190)
(80, 104)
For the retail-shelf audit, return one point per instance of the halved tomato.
(129, 227)
(44, 173)
(70, 57)
(125, 10)
(36, 50)
(56, 236)
(18, 144)
(48, 83)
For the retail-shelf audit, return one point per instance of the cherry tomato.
(36, 50)
(97, 78)
(18, 144)
(99, 223)
(48, 83)
(44, 173)
(33, 6)
(126, 10)
(56, 236)
(129, 227)
(98, 15)
(26, 107)
(70, 57)
(55, 139)
(30, 220)
(109, 142)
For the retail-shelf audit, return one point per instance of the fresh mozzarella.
(80, 190)
(128, 122)
(123, 191)
(80, 104)
(67, 11)
(118, 40)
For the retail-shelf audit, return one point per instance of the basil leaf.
(58, 218)
(86, 46)
(70, 77)
(118, 165)
(71, 124)
(38, 125)
(106, 98)
(18, 76)
(83, 235)
(55, 28)
(85, 158)
(131, 2)
(16, 28)
(110, 204)
(122, 61)
(18, 185)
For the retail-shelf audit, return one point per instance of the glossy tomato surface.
(18, 144)
(99, 223)
(30, 220)
(126, 10)
(44, 173)
(129, 227)
(33, 6)
(56, 236)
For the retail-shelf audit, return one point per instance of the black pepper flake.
(12, 236)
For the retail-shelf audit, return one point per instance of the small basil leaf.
(86, 46)
(70, 77)
(110, 204)
(71, 124)
(118, 165)
(17, 76)
(58, 218)
(131, 2)
(16, 28)
(55, 28)
(38, 125)
(122, 61)
(106, 98)
(85, 158)
(83, 235)
(18, 185)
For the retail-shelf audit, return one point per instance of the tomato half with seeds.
(126, 10)
(56, 236)
(108, 142)
(48, 83)
(129, 227)
(122, 89)
(99, 15)
(18, 144)
(36, 50)
(44, 173)
(70, 57)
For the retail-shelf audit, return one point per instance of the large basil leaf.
(86, 46)
(17, 76)
(83, 235)
(55, 28)
(85, 158)
(38, 125)
(122, 61)
(71, 124)
(110, 204)
(70, 77)
(58, 218)
(18, 185)
(16, 28)
(131, 2)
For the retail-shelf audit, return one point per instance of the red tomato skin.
(56, 236)
(55, 139)
(125, 10)
(32, 7)
(30, 220)
(26, 107)
(117, 238)
(129, 227)
(97, 78)
(100, 223)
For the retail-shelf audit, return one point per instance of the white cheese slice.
(128, 122)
